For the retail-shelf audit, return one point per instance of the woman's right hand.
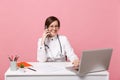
(45, 34)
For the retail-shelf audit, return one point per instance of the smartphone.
(45, 27)
(49, 32)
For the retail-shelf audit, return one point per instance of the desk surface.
(50, 68)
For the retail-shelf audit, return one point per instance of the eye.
(56, 25)
(51, 26)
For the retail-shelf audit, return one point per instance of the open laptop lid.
(95, 60)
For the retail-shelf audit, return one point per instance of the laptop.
(94, 61)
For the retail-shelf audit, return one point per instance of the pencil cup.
(13, 65)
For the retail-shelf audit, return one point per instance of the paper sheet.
(49, 68)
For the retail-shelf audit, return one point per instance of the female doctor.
(53, 47)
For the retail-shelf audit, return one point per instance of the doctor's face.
(53, 28)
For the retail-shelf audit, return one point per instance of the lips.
(54, 31)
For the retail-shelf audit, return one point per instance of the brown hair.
(51, 19)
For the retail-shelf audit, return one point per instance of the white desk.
(53, 71)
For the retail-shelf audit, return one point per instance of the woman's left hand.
(76, 63)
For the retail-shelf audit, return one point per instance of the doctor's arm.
(70, 54)
(41, 53)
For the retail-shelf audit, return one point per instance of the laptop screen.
(95, 60)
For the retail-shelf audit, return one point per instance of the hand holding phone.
(46, 34)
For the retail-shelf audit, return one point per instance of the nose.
(54, 28)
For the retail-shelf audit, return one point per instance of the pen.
(32, 69)
(16, 58)
(9, 58)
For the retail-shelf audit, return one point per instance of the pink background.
(88, 24)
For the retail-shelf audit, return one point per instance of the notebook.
(23, 63)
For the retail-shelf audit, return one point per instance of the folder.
(24, 63)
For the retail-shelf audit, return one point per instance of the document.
(49, 68)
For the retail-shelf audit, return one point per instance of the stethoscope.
(59, 44)
(61, 55)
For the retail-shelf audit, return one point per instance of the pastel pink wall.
(89, 24)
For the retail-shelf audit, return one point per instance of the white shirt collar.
(53, 38)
